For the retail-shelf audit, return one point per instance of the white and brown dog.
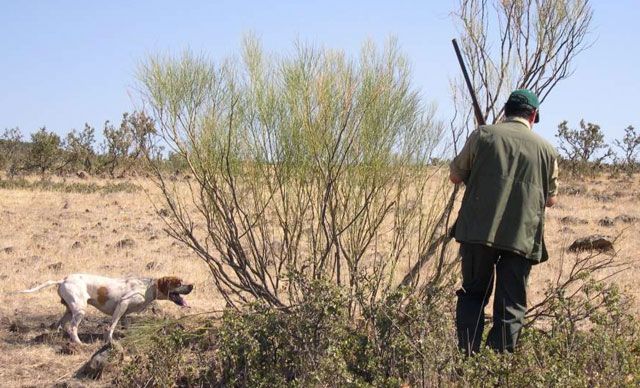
(115, 297)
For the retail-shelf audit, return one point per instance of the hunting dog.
(115, 297)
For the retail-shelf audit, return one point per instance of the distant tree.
(143, 131)
(584, 149)
(79, 149)
(129, 143)
(10, 147)
(45, 151)
(117, 142)
(629, 145)
(177, 162)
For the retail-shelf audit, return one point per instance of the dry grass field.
(46, 235)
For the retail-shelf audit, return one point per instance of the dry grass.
(602, 197)
(52, 234)
(41, 228)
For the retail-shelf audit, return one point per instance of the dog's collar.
(153, 285)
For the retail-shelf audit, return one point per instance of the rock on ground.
(125, 243)
(595, 242)
(93, 368)
(83, 175)
(607, 221)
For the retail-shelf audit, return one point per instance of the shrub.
(302, 162)
(264, 346)
(125, 145)
(629, 145)
(116, 145)
(12, 151)
(583, 150)
(167, 353)
(176, 162)
(400, 340)
(400, 343)
(45, 152)
(79, 152)
(606, 352)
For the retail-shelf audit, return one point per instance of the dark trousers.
(480, 264)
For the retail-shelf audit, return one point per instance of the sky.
(65, 63)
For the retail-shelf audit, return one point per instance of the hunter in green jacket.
(510, 174)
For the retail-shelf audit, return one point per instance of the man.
(510, 175)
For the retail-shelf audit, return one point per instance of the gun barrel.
(476, 107)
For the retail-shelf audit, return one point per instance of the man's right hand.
(551, 201)
(454, 178)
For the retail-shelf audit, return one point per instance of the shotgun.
(440, 228)
(474, 100)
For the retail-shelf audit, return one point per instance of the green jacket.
(509, 172)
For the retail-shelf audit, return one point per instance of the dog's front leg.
(120, 310)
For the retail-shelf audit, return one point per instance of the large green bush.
(400, 343)
(310, 166)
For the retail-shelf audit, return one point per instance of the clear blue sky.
(65, 63)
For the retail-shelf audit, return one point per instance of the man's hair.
(516, 109)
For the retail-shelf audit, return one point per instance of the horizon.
(73, 63)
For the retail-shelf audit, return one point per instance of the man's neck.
(519, 120)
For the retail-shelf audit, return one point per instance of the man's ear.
(533, 117)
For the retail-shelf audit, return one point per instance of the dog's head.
(172, 288)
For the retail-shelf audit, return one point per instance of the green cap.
(525, 97)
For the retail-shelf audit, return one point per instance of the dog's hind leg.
(76, 303)
(77, 316)
(61, 323)
(66, 317)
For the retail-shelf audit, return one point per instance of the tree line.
(122, 151)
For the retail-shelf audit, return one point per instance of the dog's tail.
(48, 283)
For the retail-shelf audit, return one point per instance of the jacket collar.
(518, 120)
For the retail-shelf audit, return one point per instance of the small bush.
(629, 145)
(264, 346)
(583, 150)
(12, 151)
(167, 353)
(45, 153)
(79, 152)
(606, 352)
(125, 146)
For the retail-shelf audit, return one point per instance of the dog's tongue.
(179, 300)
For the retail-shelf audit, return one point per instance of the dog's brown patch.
(103, 295)
(167, 282)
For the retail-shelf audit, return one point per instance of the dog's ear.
(168, 282)
(162, 286)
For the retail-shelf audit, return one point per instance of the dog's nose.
(190, 287)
